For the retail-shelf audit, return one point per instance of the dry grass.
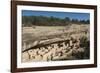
(75, 44)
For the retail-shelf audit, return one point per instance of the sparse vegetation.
(54, 43)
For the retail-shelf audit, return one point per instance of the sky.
(71, 15)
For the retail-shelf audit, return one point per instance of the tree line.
(50, 21)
